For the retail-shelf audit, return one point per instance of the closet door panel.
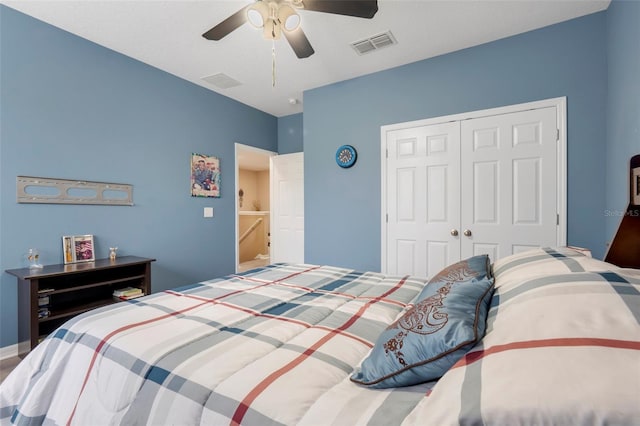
(509, 182)
(423, 198)
(485, 184)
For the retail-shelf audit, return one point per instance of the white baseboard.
(9, 351)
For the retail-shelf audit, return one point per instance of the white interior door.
(423, 174)
(287, 208)
(509, 183)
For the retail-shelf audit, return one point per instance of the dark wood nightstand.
(70, 290)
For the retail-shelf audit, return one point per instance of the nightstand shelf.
(66, 313)
(97, 284)
(72, 289)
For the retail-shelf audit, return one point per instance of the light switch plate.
(208, 212)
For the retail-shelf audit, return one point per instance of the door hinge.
(386, 152)
(387, 218)
(557, 135)
(557, 219)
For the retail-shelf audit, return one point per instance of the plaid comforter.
(277, 346)
(259, 348)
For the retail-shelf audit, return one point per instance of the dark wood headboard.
(624, 250)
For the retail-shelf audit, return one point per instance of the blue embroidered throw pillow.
(447, 319)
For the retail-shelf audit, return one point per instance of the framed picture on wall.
(78, 248)
(205, 176)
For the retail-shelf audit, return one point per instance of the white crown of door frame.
(561, 107)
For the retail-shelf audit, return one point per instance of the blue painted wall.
(342, 207)
(623, 106)
(290, 134)
(72, 109)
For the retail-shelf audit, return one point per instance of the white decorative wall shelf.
(40, 190)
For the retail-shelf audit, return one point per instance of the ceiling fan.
(277, 17)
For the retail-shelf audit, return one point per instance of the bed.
(559, 343)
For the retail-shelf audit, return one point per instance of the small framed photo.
(205, 176)
(78, 248)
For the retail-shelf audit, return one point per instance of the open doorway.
(253, 208)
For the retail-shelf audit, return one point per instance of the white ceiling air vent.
(221, 81)
(375, 42)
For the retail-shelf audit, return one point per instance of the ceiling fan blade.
(299, 43)
(228, 25)
(357, 8)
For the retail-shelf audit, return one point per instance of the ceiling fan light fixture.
(288, 17)
(258, 14)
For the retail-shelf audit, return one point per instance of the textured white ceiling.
(167, 35)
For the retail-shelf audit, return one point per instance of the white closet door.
(509, 183)
(287, 208)
(423, 198)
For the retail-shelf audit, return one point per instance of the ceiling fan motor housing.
(273, 17)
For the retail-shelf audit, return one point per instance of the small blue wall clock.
(346, 156)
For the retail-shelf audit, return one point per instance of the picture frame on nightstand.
(78, 248)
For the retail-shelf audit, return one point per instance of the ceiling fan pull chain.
(273, 64)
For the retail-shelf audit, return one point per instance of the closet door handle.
(467, 233)
(454, 232)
